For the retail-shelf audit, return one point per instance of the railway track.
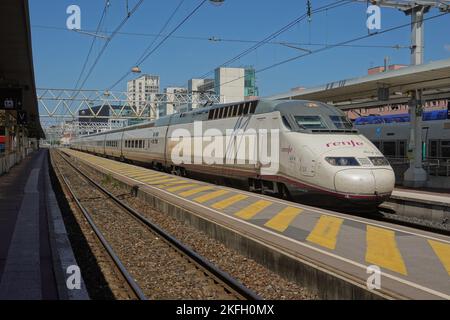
(192, 268)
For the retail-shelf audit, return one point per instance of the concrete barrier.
(326, 283)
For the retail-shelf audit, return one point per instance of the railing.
(433, 166)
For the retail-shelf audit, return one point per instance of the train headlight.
(379, 161)
(342, 161)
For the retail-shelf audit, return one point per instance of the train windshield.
(341, 122)
(310, 122)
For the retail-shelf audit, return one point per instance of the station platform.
(414, 264)
(426, 196)
(34, 248)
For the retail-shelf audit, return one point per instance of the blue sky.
(59, 54)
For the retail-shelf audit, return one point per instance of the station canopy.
(16, 61)
(390, 87)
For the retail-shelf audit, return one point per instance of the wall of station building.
(15, 144)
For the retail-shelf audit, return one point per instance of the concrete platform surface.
(414, 264)
(34, 249)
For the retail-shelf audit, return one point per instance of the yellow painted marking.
(178, 188)
(159, 181)
(195, 191)
(253, 209)
(158, 177)
(325, 232)
(229, 201)
(173, 183)
(211, 195)
(146, 174)
(382, 250)
(442, 250)
(282, 220)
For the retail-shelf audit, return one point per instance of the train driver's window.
(341, 122)
(286, 123)
(310, 122)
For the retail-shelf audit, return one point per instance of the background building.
(142, 90)
(196, 87)
(229, 84)
(235, 84)
(170, 107)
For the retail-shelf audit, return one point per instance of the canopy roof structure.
(433, 78)
(16, 59)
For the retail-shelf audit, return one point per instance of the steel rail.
(203, 263)
(127, 276)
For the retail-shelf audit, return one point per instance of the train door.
(122, 142)
(307, 162)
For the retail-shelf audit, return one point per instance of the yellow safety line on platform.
(283, 219)
(442, 250)
(144, 175)
(253, 209)
(211, 195)
(195, 191)
(178, 188)
(228, 201)
(154, 178)
(173, 183)
(325, 232)
(382, 250)
(159, 181)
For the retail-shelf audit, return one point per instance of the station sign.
(11, 99)
(22, 117)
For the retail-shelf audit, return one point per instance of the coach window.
(445, 149)
(389, 148)
(433, 151)
(402, 149)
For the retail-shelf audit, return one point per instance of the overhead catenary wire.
(278, 32)
(220, 39)
(105, 8)
(147, 55)
(108, 41)
(333, 46)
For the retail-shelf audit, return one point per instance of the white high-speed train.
(322, 158)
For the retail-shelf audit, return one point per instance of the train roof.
(305, 107)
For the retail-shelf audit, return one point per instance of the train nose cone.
(385, 180)
(363, 181)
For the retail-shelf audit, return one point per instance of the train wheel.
(283, 192)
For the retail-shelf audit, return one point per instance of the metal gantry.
(76, 112)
